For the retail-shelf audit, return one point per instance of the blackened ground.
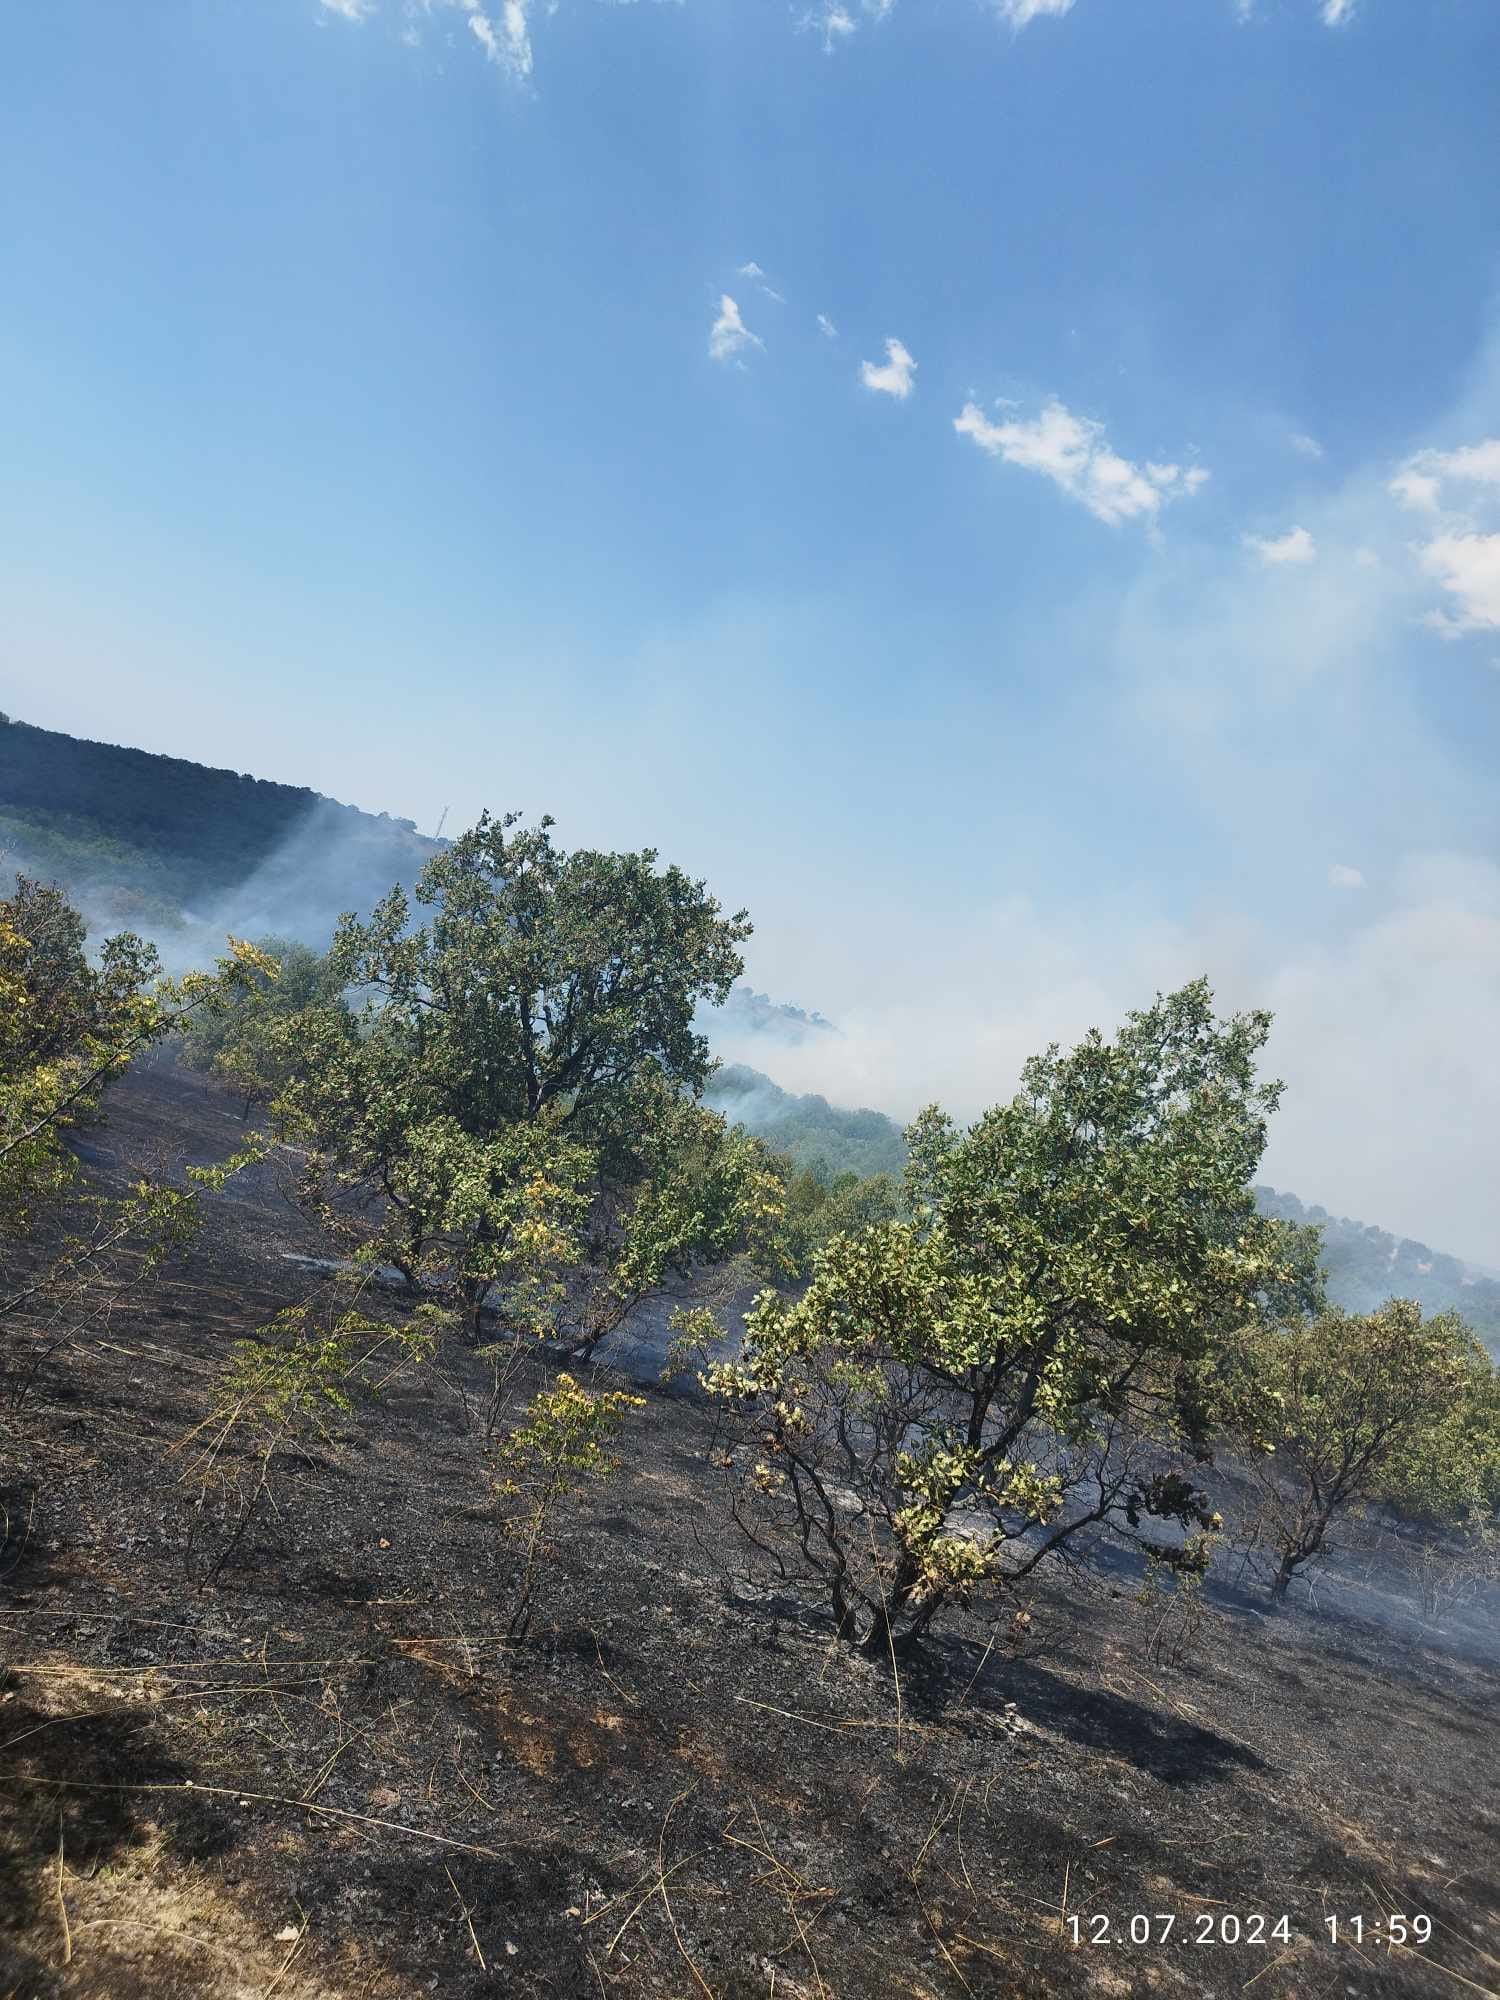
(327, 1772)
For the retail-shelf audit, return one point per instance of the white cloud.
(1468, 568)
(483, 30)
(1336, 12)
(1074, 454)
(1415, 489)
(1367, 558)
(1307, 446)
(832, 21)
(1020, 13)
(1464, 552)
(1419, 482)
(506, 40)
(1295, 546)
(729, 334)
(827, 328)
(758, 278)
(1342, 876)
(517, 40)
(349, 10)
(893, 377)
(1477, 462)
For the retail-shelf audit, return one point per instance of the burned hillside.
(318, 1765)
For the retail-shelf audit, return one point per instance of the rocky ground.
(325, 1769)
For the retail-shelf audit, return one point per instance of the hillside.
(309, 1759)
(1367, 1265)
(812, 1131)
(182, 850)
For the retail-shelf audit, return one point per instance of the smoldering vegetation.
(328, 1773)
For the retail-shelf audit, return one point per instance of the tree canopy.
(1344, 1408)
(957, 1394)
(520, 1096)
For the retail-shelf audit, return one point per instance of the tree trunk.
(1283, 1577)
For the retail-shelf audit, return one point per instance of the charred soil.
(323, 1769)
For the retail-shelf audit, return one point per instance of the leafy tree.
(284, 1387)
(564, 1441)
(253, 1041)
(519, 1096)
(818, 1208)
(685, 1191)
(68, 1027)
(957, 1395)
(1345, 1408)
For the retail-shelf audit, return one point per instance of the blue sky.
(1007, 491)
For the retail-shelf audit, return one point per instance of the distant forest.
(1366, 1266)
(813, 1132)
(161, 845)
(184, 853)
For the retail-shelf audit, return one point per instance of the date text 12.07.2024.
(1229, 1927)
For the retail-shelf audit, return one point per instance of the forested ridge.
(813, 1133)
(149, 840)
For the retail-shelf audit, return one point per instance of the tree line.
(492, 1092)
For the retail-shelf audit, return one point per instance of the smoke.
(1382, 1034)
(334, 859)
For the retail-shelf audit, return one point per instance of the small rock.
(288, 1934)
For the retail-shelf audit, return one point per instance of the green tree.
(252, 1043)
(957, 1395)
(1345, 1408)
(69, 1025)
(519, 1097)
(565, 1440)
(818, 1207)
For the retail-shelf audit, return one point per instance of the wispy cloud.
(1337, 12)
(893, 376)
(1342, 876)
(1021, 13)
(832, 21)
(827, 328)
(1305, 446)
(1419, 482)
(1075, 455)
(1295, 546)
(504, 36)
(729, 335)
(348, 10)
(758, 278)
